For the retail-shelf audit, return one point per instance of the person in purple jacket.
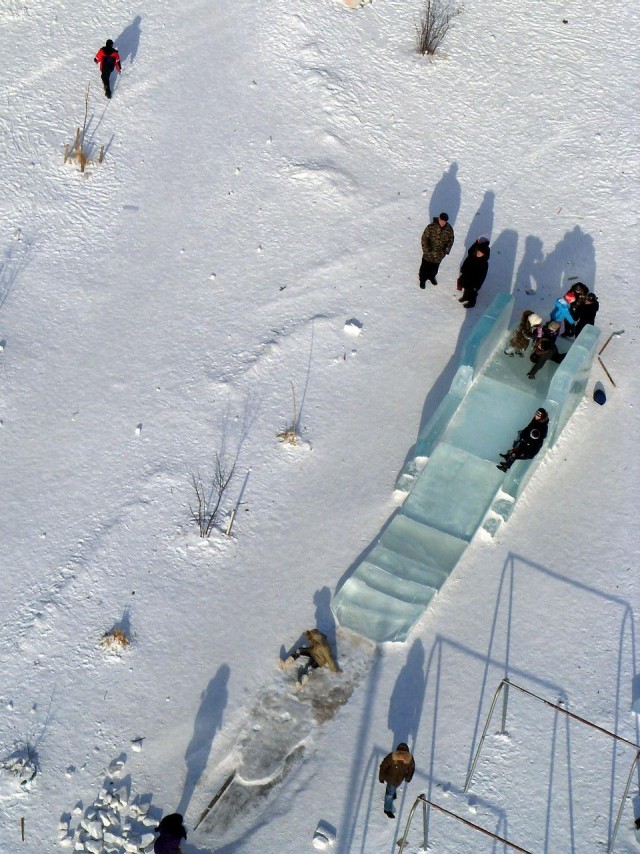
(171, 832)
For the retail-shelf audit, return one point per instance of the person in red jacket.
(108, 59)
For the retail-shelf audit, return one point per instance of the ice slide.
(452, 484)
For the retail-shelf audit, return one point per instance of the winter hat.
(444, 217)
(109, 43)
(570, 297)
(534, 320)
(403, 746)
(592, 298)
(553, 326)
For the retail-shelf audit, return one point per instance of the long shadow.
(15, 260)
(324, 615)
(358, 778)
(446, 195)
(482, 222)
(545, 277)
(208, 720)
(405, 705)
(128, 41)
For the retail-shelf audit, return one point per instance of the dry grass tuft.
(291, 433)
(115, 640)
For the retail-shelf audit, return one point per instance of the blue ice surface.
(452, 481)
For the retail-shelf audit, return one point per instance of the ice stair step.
(424, 571)
(394, 586)
(374, 614)
(422, 543)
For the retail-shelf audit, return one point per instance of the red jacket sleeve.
(99, 56)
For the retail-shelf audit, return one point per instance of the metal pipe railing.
(425, 800)
(504, 685)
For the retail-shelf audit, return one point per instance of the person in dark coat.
(171, 832)
(530, 440)
(108, 59)
(587, 313)
(396, 768)
(544, 349)
(473, 272)
(437, 240)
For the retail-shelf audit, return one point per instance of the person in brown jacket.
(523, 333)
(396, 768)
(437, 240)
(318, 655)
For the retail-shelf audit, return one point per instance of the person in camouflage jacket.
(437, 240)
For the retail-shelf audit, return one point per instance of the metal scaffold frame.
(504, 686)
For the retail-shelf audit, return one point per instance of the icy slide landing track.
(453, 486)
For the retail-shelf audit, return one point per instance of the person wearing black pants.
(473, 272)
(108, 59)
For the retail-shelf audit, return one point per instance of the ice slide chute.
(452, 485)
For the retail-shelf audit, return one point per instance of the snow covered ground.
(269, 169)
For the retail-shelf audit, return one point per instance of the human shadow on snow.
(213, 702)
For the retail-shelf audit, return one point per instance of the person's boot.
(389, 814)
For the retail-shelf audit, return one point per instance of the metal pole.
(424, 825)
(482, 737)
(408, 824)
(477, 827)
(504, 707)
(622, 802)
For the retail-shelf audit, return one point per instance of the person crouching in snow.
(171, 833)
(523, 333)
(317, 655)
(529, 441)
(396, 768)
(108, 59)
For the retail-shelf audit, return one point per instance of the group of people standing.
(575, 310)
(437, 241)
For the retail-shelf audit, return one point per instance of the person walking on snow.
(318, 655)
(437, 240)
(474, 271)
(108, 59)
(396, 768)
(530, 440)
(171, 832)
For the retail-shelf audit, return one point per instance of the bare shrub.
(291, 433)
(23, 764)
(434, 25)
(81, 150)
(208, 499)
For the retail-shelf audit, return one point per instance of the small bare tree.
(434, 25)
(205, 509)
